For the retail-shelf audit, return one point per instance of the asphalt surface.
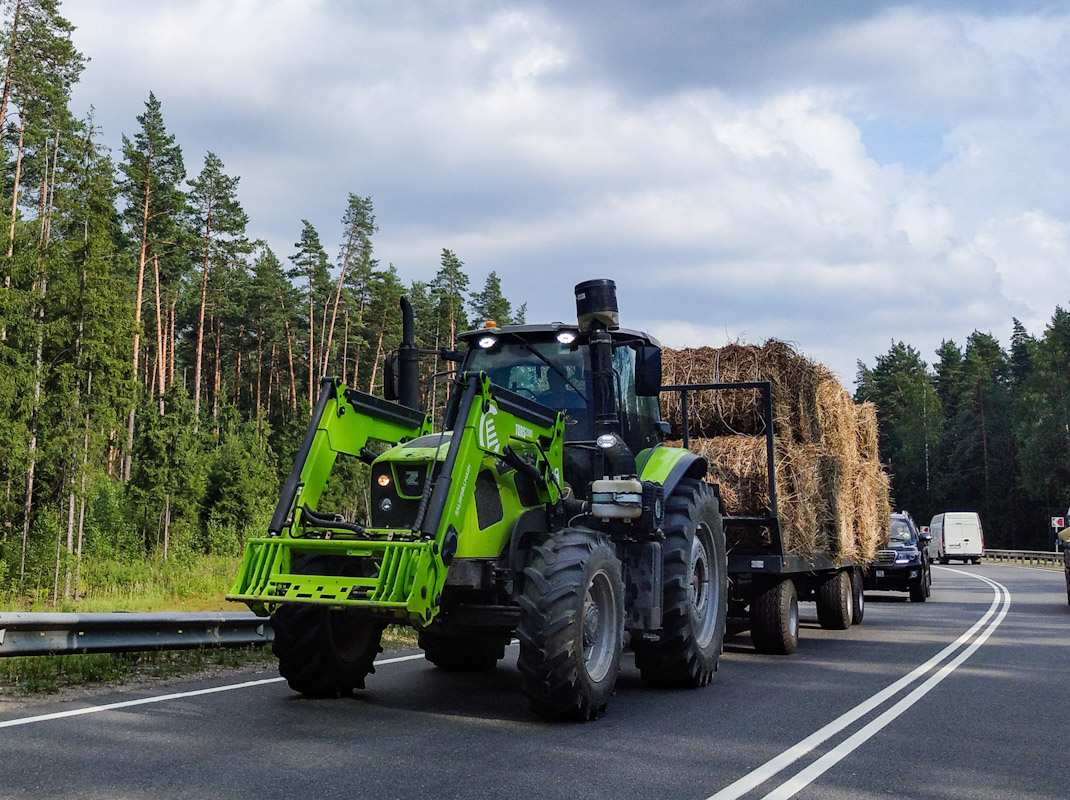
(965, 696)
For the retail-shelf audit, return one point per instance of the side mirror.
(391, 390)
(648, 371)
(925, 538)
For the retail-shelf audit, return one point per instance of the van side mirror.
(391, 391)
(925, 538)
(648, 371)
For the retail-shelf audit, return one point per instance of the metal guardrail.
(1039, 558)
(34, 634)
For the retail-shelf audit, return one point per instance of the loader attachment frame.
(397, 573)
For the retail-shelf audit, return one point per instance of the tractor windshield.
(550, 373)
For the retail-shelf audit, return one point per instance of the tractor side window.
(639, 415)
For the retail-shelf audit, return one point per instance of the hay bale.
(738, 466)
(832, 494)
(738, 412)
(867, 430)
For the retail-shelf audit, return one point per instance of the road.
(965, 696)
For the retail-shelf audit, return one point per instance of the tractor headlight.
(607, 440)
(383, 480)
(566, 337)
(487, 342)
(386, 504)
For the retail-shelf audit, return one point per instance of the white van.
(958, 535)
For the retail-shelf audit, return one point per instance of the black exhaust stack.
(408, 360)
(596, 310)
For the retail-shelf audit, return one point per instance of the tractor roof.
(549, 330)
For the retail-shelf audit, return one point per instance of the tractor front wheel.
(571, 625)
(324, 652)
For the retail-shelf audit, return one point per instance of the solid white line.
(77, 712)
(778, 763)
(808, 775)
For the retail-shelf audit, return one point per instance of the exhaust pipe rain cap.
(596, 301)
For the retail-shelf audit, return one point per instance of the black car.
(903, 566)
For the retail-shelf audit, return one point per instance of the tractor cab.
(551, 365)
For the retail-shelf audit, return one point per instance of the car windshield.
(901, 532)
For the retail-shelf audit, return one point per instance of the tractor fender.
(667, 465)
(531, 523)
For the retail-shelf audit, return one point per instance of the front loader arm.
(402, 571)
(493, 421)
(343, 421)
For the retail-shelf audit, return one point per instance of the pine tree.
(490, 304)
(310, 262)
(152, 172)
(222, 242)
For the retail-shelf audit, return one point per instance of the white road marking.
(77, 712)
(794, 753)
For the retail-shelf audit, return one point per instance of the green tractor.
(545, 507)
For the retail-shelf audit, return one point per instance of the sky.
(836, 175)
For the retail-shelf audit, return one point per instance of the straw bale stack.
(832, 494)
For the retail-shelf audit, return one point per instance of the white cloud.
(720, 210)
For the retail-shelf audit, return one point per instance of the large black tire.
(473, 653)
(858, 597)
(917, 591)
(571, 627)
(324, 652)
(835, 602)
(774, 619)
(695, 603)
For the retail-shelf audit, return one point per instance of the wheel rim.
(847, 592)
(861, 602)
(702, 589)
(793, 616)
(599, 637)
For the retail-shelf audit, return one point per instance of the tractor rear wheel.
(324, 652)
(571, 625)
(835, 602)
(774, 620)
(695, 580)
(472, 653)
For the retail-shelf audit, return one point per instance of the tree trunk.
(15, 189)
(200, 322)
(259, 366)
(10, 61)
(27, 508)
(290, 352)
(311, 342)
(161, 354)
(378, 352)
(217, 384)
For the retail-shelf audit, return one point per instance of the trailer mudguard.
(667, 465)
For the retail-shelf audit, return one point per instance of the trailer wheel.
(324, 652)
(858, 596)
(571, 627)
(695, 581)
(835, 606)
(775, 619)
(475, 653)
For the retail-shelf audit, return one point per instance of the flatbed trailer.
(767, 583)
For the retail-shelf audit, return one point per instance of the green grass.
(191, 584)
(47, 674)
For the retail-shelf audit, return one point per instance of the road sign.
(924, 528)
(1058, 522)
